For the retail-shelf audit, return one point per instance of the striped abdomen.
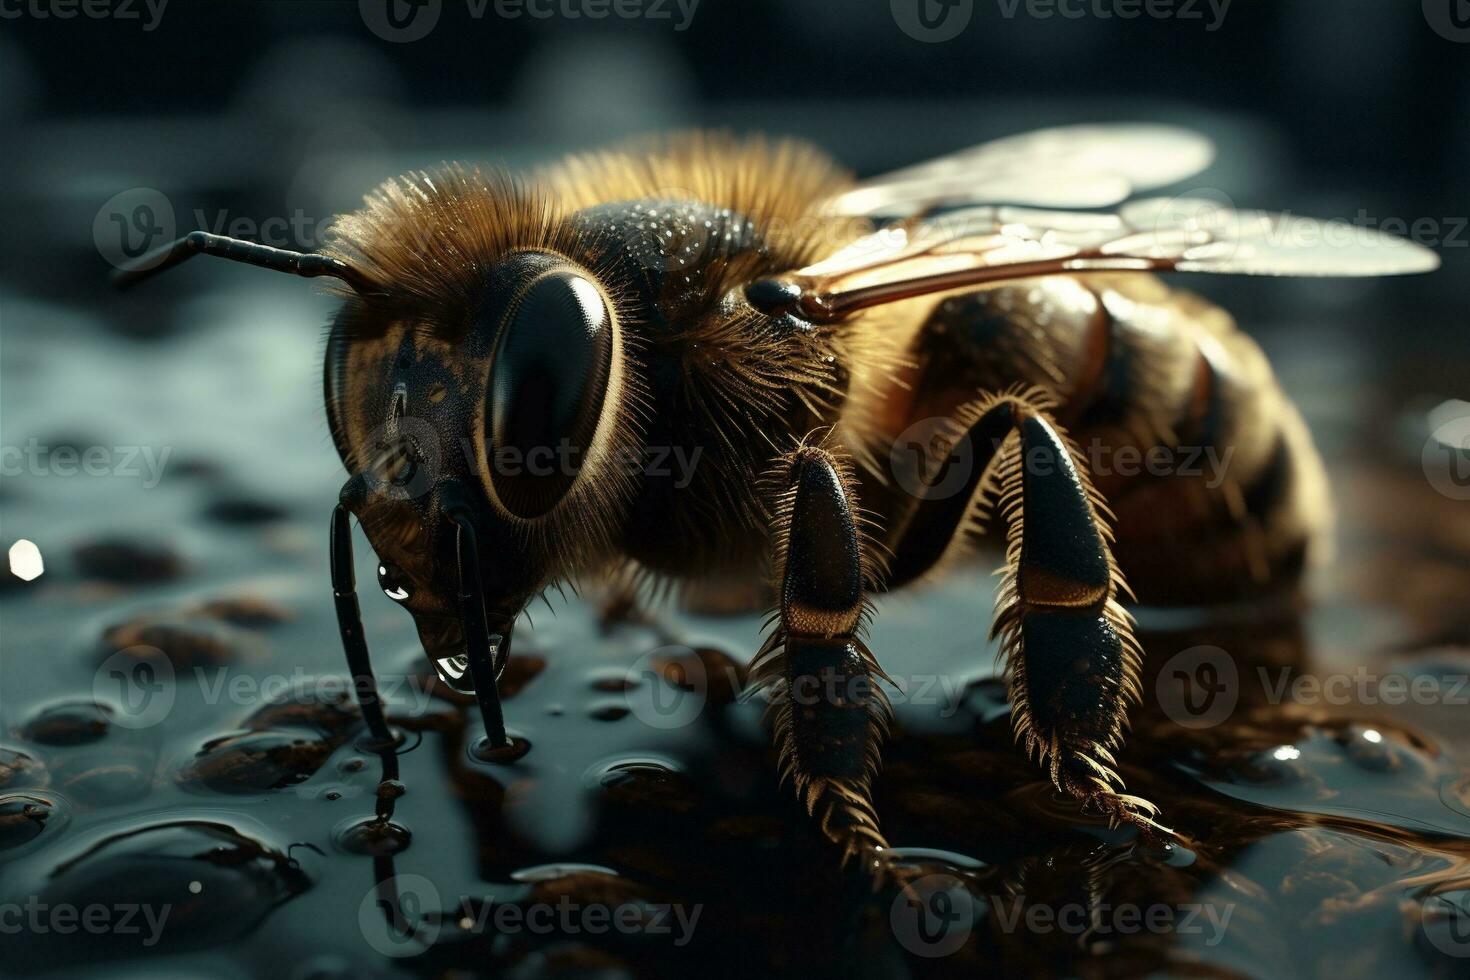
(1216, 486)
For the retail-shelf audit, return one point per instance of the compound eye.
(394, 583)
(548, 382)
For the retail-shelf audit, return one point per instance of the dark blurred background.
(128, 122)
(280, 109)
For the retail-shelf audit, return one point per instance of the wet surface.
(180, 750)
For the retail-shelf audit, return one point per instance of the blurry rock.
(119, 775)
(244, 511)
(251, 612)
(127, 561)
(187, 641)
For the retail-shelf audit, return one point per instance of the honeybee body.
(694, 360)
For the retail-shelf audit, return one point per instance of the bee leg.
(827, 713)
(487, 654)
(1072, 663)
(349, 623)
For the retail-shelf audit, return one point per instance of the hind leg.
(1072, 663)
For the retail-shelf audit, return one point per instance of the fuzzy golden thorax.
(667, 232)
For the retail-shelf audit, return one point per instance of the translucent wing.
(1066, 167)
(981, 246)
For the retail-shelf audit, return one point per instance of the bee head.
(514, 419)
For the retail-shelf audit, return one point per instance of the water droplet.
(256, 761)
(608, 711)
(379, 838)
(19, 770)
(69, 723)
(23, 816)
(482, 751)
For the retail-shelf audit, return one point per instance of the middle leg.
(827, 713)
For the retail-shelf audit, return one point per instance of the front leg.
(828, 715)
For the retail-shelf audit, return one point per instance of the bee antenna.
(307, 264)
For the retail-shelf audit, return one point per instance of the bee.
(875, 379)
